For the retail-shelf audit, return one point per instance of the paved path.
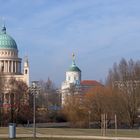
(68, 136)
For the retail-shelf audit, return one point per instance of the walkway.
(67, 136)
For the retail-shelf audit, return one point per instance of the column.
(15, 67)
(8, 66)
(4, 66)
(11, 66)
(20, 66)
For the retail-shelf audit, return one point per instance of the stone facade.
(10, 64)
(73, 79)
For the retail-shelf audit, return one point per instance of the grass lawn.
(69, 132)
(89, 132)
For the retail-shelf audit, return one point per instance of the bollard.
(12, 130)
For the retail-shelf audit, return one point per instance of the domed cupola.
(10, 63)
(73, 75)
(73, 67)
(6, 41)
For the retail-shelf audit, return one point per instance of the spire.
(26, 63)
(73, 59)
(3, 30)
(73, 66)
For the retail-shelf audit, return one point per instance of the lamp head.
(34, 84)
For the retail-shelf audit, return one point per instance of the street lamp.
(34, 90)
(89, 113)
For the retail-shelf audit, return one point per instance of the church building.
(73, 79)
(10, 63)
(73, 83)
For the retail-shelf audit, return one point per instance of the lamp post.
(34, 90)
(115, 125)
(89, 113)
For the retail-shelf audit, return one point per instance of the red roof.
(90, 83)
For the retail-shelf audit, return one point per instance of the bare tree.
(19, 99)
(47, 101)
(125, 77)
(75, 111)
(48, 94)
(1, 100)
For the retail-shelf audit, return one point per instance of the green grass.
(68, 131)
(88, 132)
(5, 130)
(71, 132)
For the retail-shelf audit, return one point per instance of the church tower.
(73, 75)
(26, 70)
(73, 78)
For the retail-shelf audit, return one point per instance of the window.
(26, 71)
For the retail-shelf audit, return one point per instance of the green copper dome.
(6, 41)
(73, 67)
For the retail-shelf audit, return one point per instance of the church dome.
(6, 41)
(73, 67)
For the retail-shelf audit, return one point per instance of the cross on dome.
(73, 59)
(3, 30)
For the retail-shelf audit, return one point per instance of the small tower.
(73, 78)
(26, 70)
(73, 75)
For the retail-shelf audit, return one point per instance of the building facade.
(73, 85)
(72, 81)
(10, 64)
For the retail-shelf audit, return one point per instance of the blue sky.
(99, 32)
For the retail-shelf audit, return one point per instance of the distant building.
(88, 84)
(73, 83)
(10, 64)
(73, 78)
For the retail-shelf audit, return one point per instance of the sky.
(99, 32)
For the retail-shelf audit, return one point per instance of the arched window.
(26, 71)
